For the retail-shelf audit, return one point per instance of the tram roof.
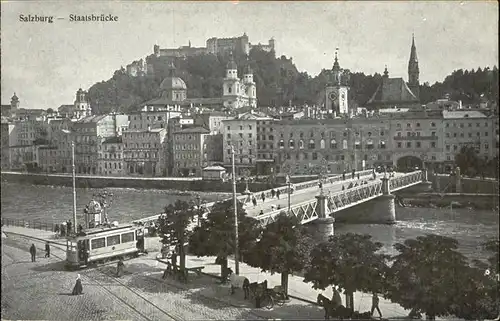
(97, 230)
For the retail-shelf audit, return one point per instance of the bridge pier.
(386, 208)
(322, 227)
(426, 185)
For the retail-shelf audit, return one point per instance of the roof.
(113, 140)
(213, 100)
(152, 130)
(91, 119)
(463, 114)
(392, 90)
(173, 83)
(192, 130)
(249, 116)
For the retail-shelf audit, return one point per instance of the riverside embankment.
(159, 183)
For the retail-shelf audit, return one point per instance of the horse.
(239, 281)
(257, 288)
(333, 309)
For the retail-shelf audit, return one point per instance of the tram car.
(104, 243)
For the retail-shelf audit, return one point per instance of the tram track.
(98, 269)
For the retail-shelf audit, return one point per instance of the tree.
(480, 295)
(467, 160)
(349, 261)
(173, 227)
(50, 111)
(216, 234)
(283, 248)
(425, 274)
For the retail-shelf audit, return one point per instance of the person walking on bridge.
(273, 193)
(33, 252)
(278, 193)
(263, 196)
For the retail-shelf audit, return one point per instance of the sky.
(46, 63)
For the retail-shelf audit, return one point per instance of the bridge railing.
(354, 196)
(37, 225)
(268, 194)
(405, 180)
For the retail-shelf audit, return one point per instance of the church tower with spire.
(413, 70)
(336, 92)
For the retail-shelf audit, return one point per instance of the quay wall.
(83, 181)
(447, 184)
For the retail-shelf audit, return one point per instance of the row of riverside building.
(169, 137)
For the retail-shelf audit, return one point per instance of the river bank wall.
(159, 183)
(443, 200)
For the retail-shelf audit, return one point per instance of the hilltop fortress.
(238, 45)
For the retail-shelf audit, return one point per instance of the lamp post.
(235, 204)
(200, 210)
(74, 184)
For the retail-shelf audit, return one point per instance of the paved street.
(141, 288)
(303, 195)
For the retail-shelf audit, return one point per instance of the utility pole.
(289, 182)
(235, 204)
(74, 185)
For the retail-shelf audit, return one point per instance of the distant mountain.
(278, 82)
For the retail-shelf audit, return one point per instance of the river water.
(54, 204)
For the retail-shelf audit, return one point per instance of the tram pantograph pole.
(235, 205)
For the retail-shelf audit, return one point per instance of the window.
(322, 144)
(97, 243)
(382, 145)
(228, 136)
(399, 134)
(418, 124)
(291, 143)
(408, 134)
(486, 146)
(408, 144)
(312, 145)
(418, 144)
(228, 127)
(448, 135)
(369, 134)
(128, 237)
(461, 125)
(433, 134)
(333, 144)
(448, 147)
(408, 125)
(314, 156)
(301, 144)
(250, 127)
(399, 145)
(281, 144)
(433, 124)
(382, 133)
(485, 133)
(470, 124)
(241, 127)
(433, 144)
(241, 135)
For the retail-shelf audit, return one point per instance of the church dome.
(231, 65)
(173, 83)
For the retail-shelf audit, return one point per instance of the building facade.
(110, 159)
(144, 152)
(190, 154)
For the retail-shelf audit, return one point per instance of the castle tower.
(231, 86)
(81, 106)
(413, 70)
(156, 50)
(251, 90)
(336, 92)
(14, 104)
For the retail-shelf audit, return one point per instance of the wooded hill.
(278, 82)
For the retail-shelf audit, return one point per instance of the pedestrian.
(263, 196)
(320, 185)
(56, 229)
(273, 193)
(261, 212)
(69, 227)
(254, 201)
(78, 288)
(375, 301)
(47, 249)
(63, 229)
(33, 252)
(336, 298)
(278, 193)
(358, 175)
(80, 228)
(119, 268)
(343, 176)
(343, 188)
(353, 173)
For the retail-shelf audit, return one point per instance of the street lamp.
(235, 204)
(200, 208)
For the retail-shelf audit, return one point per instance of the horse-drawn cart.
(273, 296)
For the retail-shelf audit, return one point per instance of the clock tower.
(336, 92)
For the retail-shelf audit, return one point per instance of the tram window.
(98, 243)
(128, 237)
(113, 240)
